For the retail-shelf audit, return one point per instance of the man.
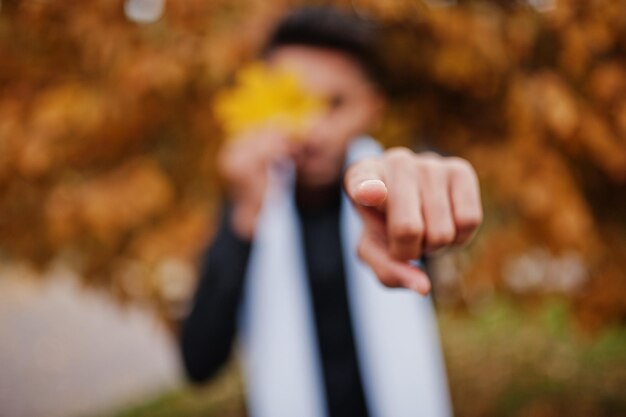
(321, 335)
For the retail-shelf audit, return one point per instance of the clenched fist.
(412, 204)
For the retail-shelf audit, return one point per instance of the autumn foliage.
(108, 139)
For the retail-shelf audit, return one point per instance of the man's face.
(353, 106)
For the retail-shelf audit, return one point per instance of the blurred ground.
(67, 351)
(505, 360)
(502, 361)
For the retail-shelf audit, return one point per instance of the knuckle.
(406, 231)
(388, 278)
(405, 252)
(400, 155)
(442, 236)
(428, 167)
(460, 166)
(469, 221)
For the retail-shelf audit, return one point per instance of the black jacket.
(209, 330)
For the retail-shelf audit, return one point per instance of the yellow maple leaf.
(264, 97)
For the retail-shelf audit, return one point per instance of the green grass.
(222, 397)
(505, 361)
(502, 360)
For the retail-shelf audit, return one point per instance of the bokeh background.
(108, 184)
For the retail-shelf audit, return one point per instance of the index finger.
(364, 183)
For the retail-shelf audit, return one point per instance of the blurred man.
(322, 332)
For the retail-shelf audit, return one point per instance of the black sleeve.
(208, 332)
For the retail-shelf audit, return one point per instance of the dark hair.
(331, 28)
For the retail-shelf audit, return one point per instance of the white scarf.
(396, 337)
